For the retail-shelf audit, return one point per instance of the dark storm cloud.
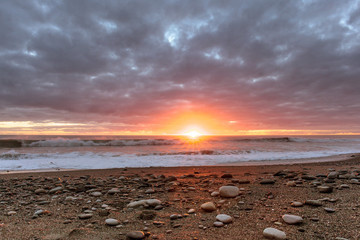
(269, 64)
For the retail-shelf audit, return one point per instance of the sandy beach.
(79, 204)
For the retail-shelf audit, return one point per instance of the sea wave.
(77, 142)
(87, 143)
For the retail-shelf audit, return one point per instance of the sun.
(193, 134)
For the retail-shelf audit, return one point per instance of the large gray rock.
(229, 191)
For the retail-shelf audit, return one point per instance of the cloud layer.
(262, 64)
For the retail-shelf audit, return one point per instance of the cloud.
(265, 64)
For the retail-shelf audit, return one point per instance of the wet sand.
(49, 205)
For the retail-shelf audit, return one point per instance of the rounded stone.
(85, 216)
(111, 222)
(267, 181)
(135, 235)
(273, 233)
(224, 218)
(325, 189)
(292, 219)
(96, 194)
(215, 194)
(315, 203)
(208, 207)
(153, 202)
(191, 211)
(329, 210)
(218, 224)
(229, 191)
(113, 191)
(297, 204)
(40, 191)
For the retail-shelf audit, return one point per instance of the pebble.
(354, 181)
(111, 222)
(297, 204)
(224, 218)
(56, 189)
(135, 235)
(208, 207)
(191, 211)
(215, 194)
(291, 184)
(308, 177)
(153, 202)
(227, 175)
(40, 191)
(325, 189)
(228, 191)
(329, 210)
(333, 175)
(96, 194)
(267, 181)
(10, 213)
(147, 215)
(315, 203)
(218, 224)
(150, 191)
(85, 216)
(149, 202)
(273, 233)
(113, 191)
(70, 198)
(292, 219)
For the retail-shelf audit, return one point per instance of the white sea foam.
(90, 160)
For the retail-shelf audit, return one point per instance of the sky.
(167, 67)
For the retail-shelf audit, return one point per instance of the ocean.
(100, 152)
